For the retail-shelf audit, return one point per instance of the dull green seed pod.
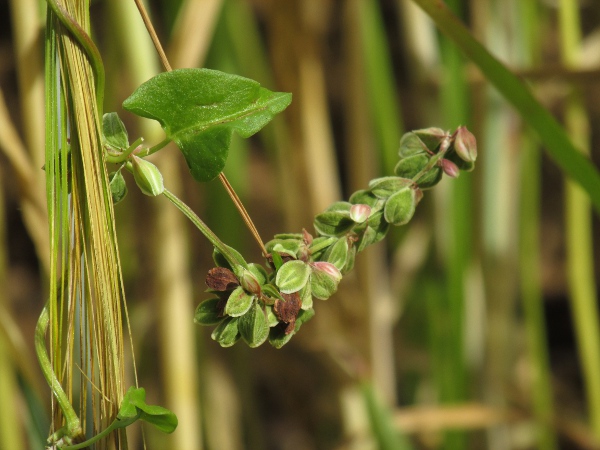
(209, 312)
(226, 333)
(253, 326)
(400, 207)
(324, 279)
(337, 254)
(292, 276)
(410, 166)
(431, 178)
(147, 176)
(432, 137)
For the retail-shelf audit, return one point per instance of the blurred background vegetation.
(475, 326)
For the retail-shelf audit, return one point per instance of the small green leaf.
(239, 302)
(319, 245)
(226, 333)
(200, 108)
(118, 187)
(292, 276)
(277, 260)
(271, 291)
(115, 133)
(208, 312)
(253, 326)
(134, 404)
(221, 261)
(400, 207)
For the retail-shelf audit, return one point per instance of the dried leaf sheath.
(85, 260)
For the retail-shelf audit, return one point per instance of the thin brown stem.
(148, 23)
(230, 191)
(245, 216)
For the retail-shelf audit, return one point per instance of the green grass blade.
(383, 97)
(557, 143)
(386, 435)
(578, 220)
(530, 285)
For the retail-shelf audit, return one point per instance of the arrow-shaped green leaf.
(200, 108)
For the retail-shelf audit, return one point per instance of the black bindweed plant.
(199, 110)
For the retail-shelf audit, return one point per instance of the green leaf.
(226, 333)
(253, 326)
(200, 108)
(134, 404)
(271, 291)
(115, 133)
(239, 302)
(319, 245)
(292, 276)
(118, 187)
(208, 312)
(221, 261)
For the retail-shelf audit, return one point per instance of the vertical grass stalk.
(578, 220)
(86, 293)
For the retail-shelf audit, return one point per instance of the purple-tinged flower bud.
(359, 213)
(465, 144)
(306, 237)
(328, 269)
(449, 168)
(249, 282)
(324, 279)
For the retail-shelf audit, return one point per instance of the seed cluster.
(256, 304)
